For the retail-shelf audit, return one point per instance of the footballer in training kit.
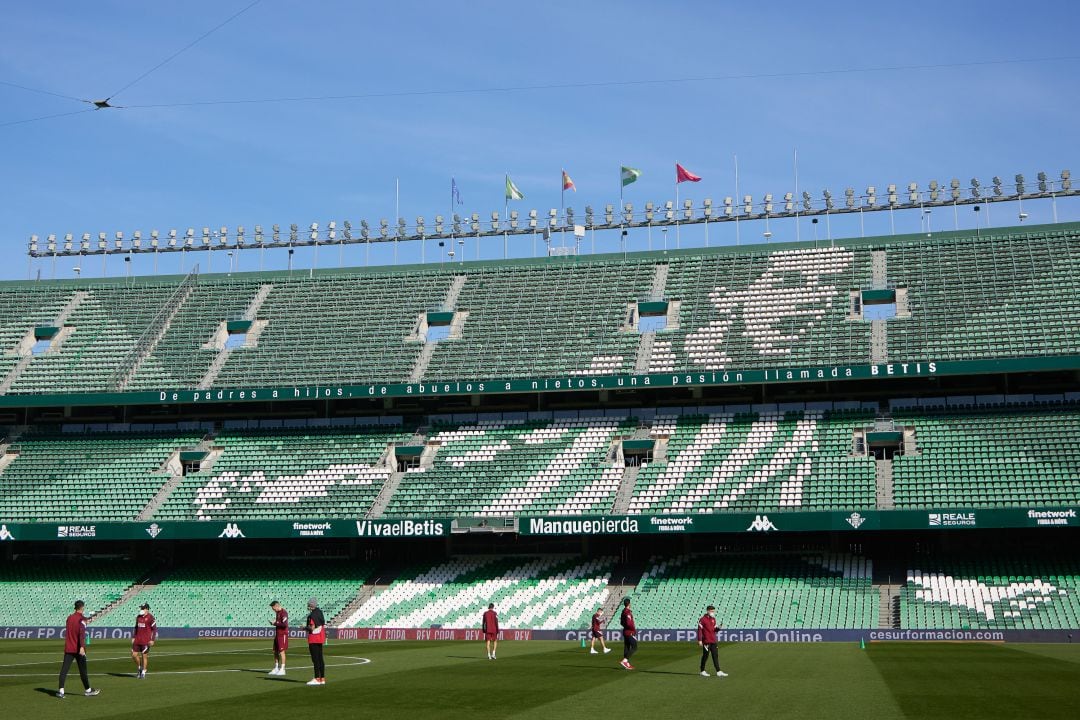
(597, 621)
(142, 640)
(490, 627)
(629, 634)
(280, 624)
(75, 650)
(706, 638)
(316, 638)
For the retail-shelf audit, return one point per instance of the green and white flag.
(629, 175)
(512, 192)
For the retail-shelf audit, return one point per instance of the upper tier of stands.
(998, 295)
(766, 458)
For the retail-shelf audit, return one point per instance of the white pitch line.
(361, 661)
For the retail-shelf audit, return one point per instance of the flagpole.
(676, 206)
(397, 211)
(562, 207)
(738, 199)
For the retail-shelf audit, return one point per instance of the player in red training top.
(75, 650)
(142, 640)
(490, 627)
(706, 638)
(597, 621)
(281, 637)
(629, 634)
(316, 638)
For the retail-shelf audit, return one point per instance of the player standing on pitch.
(490, 627)
(75, 650)
(142, 640)
(629, 634)
(597, 619)
(316, 637)
(706, 638)
(281, 637)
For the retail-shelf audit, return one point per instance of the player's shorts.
(141, 648)
(597, 634)
(281, 643)
(491, 636)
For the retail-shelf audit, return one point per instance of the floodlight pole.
(798, 234)
(738, 198)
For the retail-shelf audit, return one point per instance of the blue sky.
(251, 164)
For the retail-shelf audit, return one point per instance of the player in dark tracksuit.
(629, 632)
(75, 650)
(706, 629)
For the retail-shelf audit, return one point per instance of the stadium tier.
(1028, 593)
(287, 473)
(238, 593)
(558, 467)
(86, 476)
(952, 297)
(33, 592)
(771, 461)
(544, 592)
(704, 460)
(1000, 458)
(814, 590)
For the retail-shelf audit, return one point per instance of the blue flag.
(455, 193)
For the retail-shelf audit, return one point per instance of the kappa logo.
(232, 530)
(855, 520)
(154, 530)
(761, 523)
(5, 534)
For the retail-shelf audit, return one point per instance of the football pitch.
(209, 679)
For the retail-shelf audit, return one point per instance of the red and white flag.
(684, 175)
(567, 183)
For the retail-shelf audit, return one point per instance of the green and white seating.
(1028, 593)
(539, 592)
(813, 590)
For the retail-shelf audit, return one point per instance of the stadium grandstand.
(871, 433)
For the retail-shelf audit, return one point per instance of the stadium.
(817, 452)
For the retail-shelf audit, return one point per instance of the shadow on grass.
(46, 691)
(280, 679)
(121, 675)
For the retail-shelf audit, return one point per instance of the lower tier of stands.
(811, 589)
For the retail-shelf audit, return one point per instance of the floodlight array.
(610, 216)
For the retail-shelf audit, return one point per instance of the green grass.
(550, 680)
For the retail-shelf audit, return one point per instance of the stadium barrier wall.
(759, 635)
(579, 525)
(747, 376)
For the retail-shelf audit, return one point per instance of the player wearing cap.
(281, 637)
(597, 621)
(629, 634)
(142, 640)
(706, 638)
(75, 650)
(316, 637)
(490, 626)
